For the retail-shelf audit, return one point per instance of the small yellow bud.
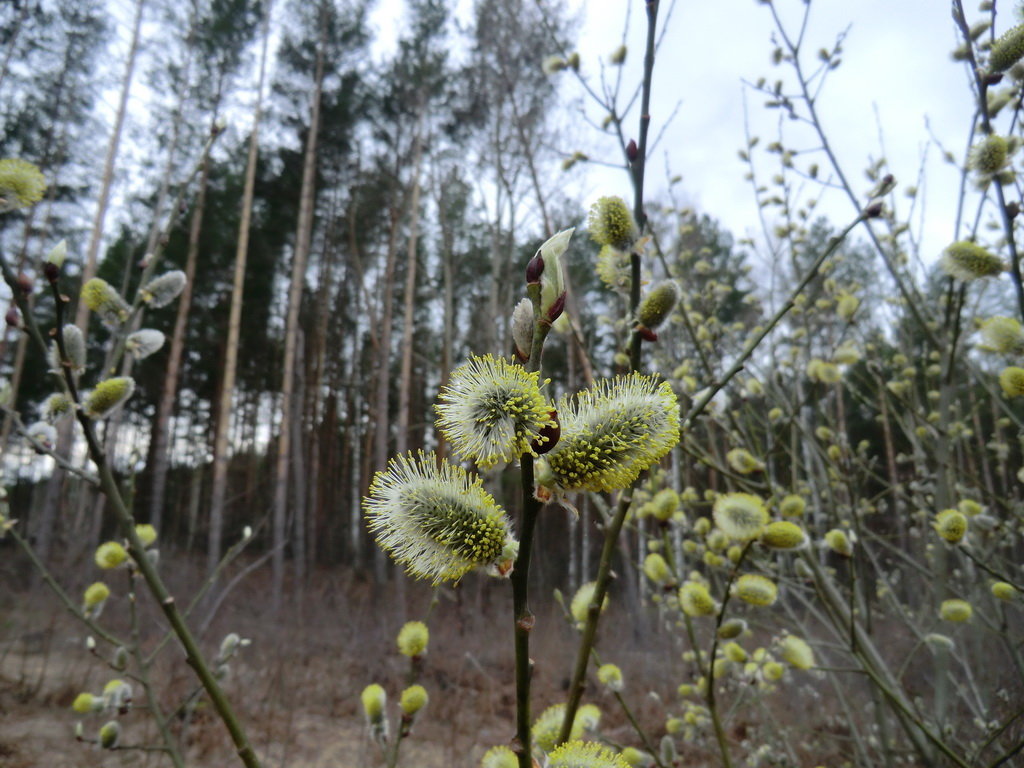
(735, 652)
(658, 304)
(108, 395)
(792, 506)
(756, 589)
(732, 628)
(743, 461)
(839, 542)
(374, 698)
(1004, 591)
(656, 569)
(580, 605)
(773, 671)
(797, 652)
(695, 600)
(110, 734)
(413, 638)
(110, 555)
(414, 698)
(847, 305)
(96, 594)
(85, 703)
(955, 610)
(610, 676)
(951, 525)
(783, 534)
(147, 533)
(1012, 381)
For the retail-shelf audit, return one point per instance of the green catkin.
(580, 754)
(21, 184)
(989, 155)
(740, 516)
(611, 223)
(492, 411)
(612, 432)
(1007, 50)
(658, 304)
(107, 396)
(437, 520)
(1002, 335)
(965, 260)
(1012, 381)
(100, 297)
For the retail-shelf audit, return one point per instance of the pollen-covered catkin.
(1007, 50)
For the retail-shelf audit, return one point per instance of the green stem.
(709, 675)
(144, 679)
(193, 655)
(589, 634)
(520, 578)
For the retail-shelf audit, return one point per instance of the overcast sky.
(896, 61)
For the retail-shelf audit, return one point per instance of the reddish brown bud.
(632, 153)
(51, 270)
(552, 432)
(646, 333)
(25, 283)
(556, 308)
(873, 211)
(12, 317)
(535, 269)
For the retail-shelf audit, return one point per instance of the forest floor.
(297, 685)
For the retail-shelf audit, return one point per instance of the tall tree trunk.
(317, 383)
(302, 243)
(448, 298)
(409, 320)
(96, 235)
(165, 408)
(227, 391)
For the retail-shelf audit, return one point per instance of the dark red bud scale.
(646, 333)
(13, 318)
(552, 432)
(873, 211)
(25, 283)
(535, 269)
(52, 271)
(632, 153)
(556, 308)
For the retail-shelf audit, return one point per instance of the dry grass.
(297, 686)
